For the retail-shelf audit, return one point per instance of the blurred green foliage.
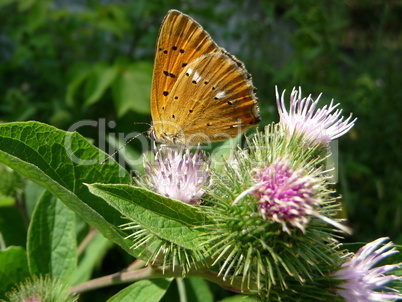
(66, 61)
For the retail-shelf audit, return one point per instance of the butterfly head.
(166, 133)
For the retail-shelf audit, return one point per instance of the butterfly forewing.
(181, 40)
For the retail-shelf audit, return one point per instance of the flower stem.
(87, 240)
(150, 272)
(123, 276)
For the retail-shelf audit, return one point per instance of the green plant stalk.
(152, 272)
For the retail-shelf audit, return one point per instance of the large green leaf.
(13, 268)
(168, 219)
(52, 247)
(145, 290)
(61, 162)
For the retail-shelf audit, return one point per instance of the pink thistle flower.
(360, 280)
(286, 195)
(318, 126)
(178, 174)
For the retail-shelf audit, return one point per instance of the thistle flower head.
(317, 126)
(178, 174)
(359, 280)
(273, 185)
(285, 195)
(37, 289)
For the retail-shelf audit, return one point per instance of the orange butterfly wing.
(200, 92)
(213, 99)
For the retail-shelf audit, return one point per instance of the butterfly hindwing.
(212, 98)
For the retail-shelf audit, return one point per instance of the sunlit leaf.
(61, 162)
(168, 219)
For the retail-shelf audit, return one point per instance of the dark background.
(67, 61)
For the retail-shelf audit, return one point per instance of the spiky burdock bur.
(270, 207)
(40, 289)
(163, 253)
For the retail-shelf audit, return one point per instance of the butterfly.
(200, 92)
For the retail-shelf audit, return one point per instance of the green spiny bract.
(245, 244)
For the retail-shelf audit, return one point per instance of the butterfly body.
(200, 92)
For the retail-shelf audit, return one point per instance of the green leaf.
(33, 193)
(80, 73)
(145, 290)
(11, 183)
(13, 268)
(101, 77)
(52, 247)
(61, 162)
(6, 201)
(92, 256)
(112, 18)
(12, 226)
(36, 13)
(131, 90)
(197, 290)
(168, 219)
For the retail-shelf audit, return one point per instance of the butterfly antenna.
(127, 142)
(142, 123)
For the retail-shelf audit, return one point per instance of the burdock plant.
(264, 221)
(271, 216)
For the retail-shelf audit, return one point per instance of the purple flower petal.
(318, 126)
(178, 174)
(360, 280)
(285, 195)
